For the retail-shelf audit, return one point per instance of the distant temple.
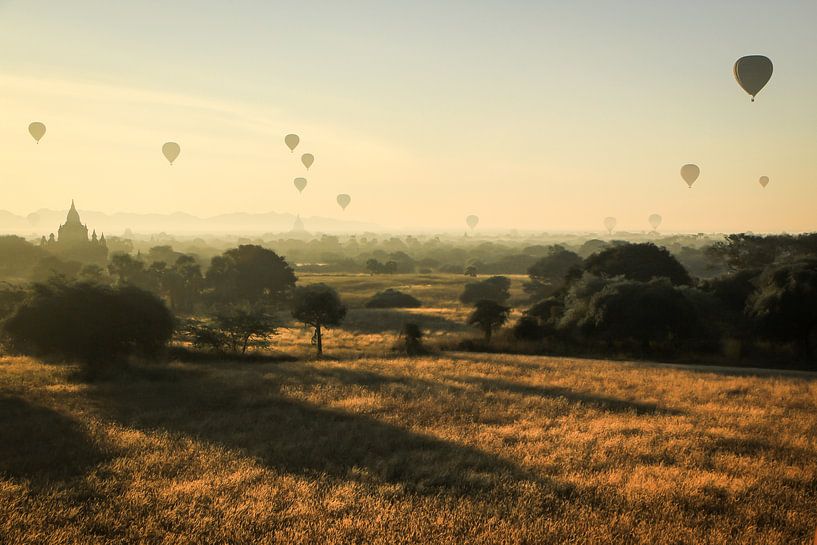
(72, 242)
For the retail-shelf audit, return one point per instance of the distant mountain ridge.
(45, 221)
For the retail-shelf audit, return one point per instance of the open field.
(466, 448)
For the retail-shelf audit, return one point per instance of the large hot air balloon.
(291, 140)
(610, 224)
(655, 220)
(472, 221)
(300, 184)
(171, 151)
(690, 173)
(307, 159)
(344, 200)
(763, 181)
(753, 73)
(37, 130)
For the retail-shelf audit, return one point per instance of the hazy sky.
(536, 115)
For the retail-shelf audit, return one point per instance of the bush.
(412, 336)
(89, 323)
(392, 298)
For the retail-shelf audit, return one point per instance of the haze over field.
(533, 115)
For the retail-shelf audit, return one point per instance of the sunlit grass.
(462, 448)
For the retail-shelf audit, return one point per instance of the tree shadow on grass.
(252, 416)
(41, 444)
(605, 403)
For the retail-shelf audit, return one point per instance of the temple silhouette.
(72, 241)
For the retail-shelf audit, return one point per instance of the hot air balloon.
(610, 224)
(655, 221)
(344, 200)
(763, 181)
(291, 140)
(171, 151)
(37, 130)
(307, 159)
(472, 221)
(300, 184)
(690, 173)
(753, 73)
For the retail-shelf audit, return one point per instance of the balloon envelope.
(291, 140)
(344, 200)
(307, 159)
(655, 220)
(300, 184)
(610, 224)
(171, 151)
(472, 221)
(37, 130)
(753, 73)
(690, 173)
(764, 181)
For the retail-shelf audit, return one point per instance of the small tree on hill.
(318, 306)
(488, 316)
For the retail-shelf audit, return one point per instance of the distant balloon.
(764, 181)
(37, 130)
(291, 140)
(307, 159)
(690, 173)
(344, 200)
(472, 221)
(655, 220)
(610, 224)
(300, 184)
(753, 73)
(171, 151)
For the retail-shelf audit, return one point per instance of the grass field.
(463, 448)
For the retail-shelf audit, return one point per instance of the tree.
(641, 262)
(785, 305)
(234, 331)
(549, 272)
(654, 311)
(471, 271)
(374, 266)
(251, 274)
(184, 283)
(495, 288)
(89, 323)
(318, 306)
(127, 270)
(487, 316)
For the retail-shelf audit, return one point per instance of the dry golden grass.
(464, 448)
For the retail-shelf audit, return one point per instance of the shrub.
(90, 323)
(413, 337)
(392, 298)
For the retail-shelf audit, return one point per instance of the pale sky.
(545, 115)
